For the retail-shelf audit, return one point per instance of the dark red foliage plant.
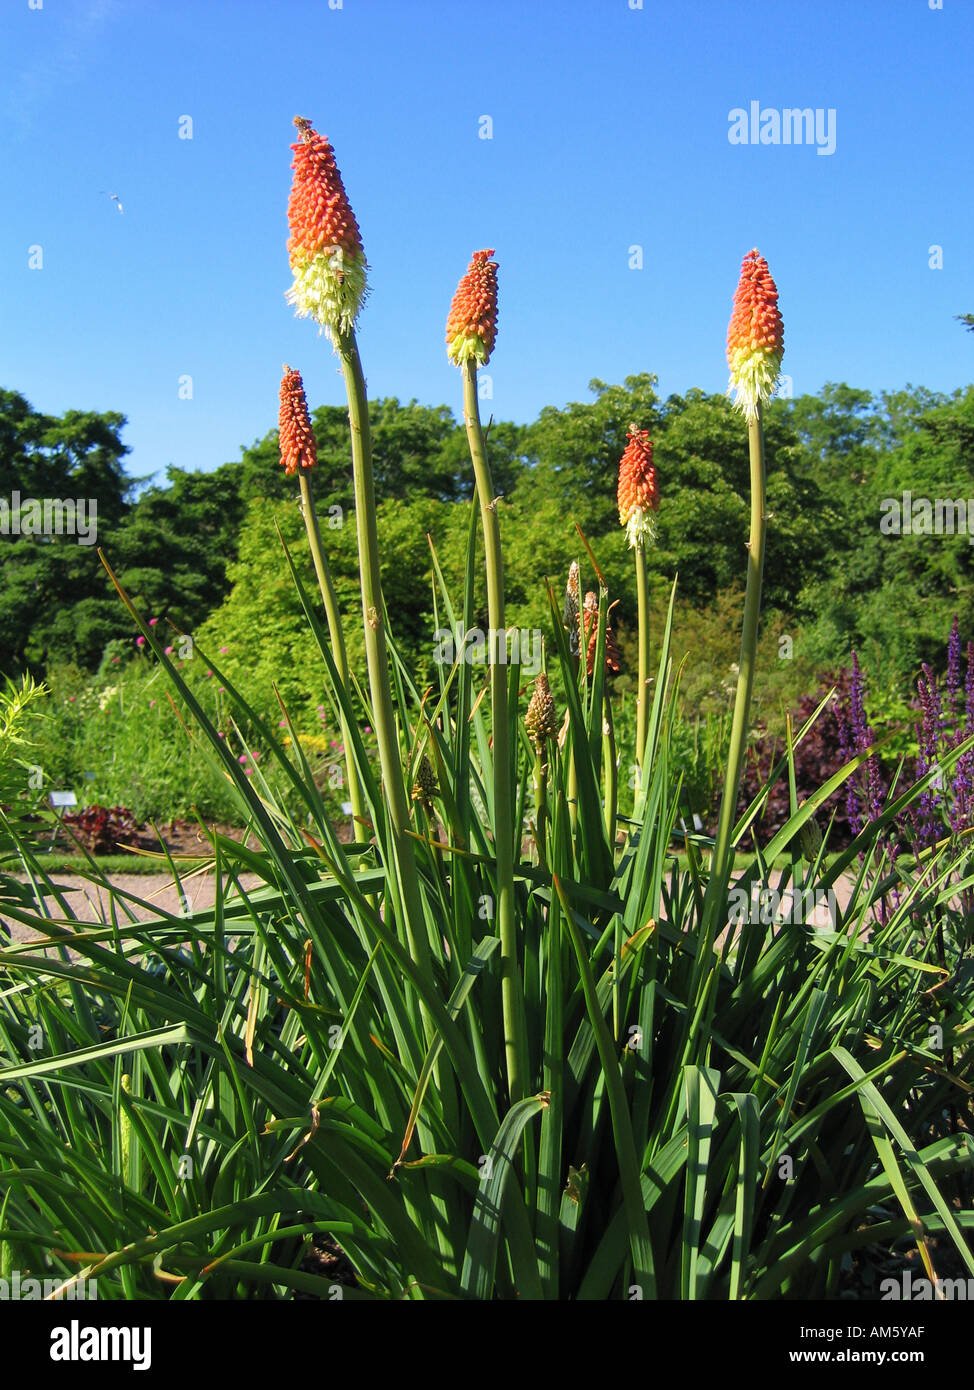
(102, 829)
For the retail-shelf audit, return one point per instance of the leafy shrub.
(103, 829)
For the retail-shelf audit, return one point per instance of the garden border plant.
(484, 1073)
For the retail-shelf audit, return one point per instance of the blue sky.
(610, 128)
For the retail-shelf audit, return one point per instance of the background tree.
(199, 548)
(50, 585)
(892, 597)
(174, 547)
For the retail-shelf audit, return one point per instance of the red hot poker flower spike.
(638, 493)
(299, 448)
(472, 323)
(325, 245)
(755, 336)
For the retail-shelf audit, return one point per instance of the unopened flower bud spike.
(299, 454)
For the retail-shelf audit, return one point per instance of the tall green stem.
(745, 677)
(540, 778)
(610, 775)
(642, 699)
(512, 998)
(413, 929)
(330, 600)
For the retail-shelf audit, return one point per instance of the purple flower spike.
(953, 667)
(864, 793)
(928, 740)
(963, 781)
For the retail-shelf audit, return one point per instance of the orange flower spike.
(325, 246)
(471, 326)
(590, 617)
(299, 448)
(638, 493)
(755, 336)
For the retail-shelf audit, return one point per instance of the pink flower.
(242, 758)
(151, 703)
(140, 641)
(153, 621)
(71, 699)
(169, 651)
(224, 649)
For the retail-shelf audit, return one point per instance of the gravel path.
(90, 903)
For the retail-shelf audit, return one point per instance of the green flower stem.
(745, 677)
(642, 698)
(330, 600)
(413, 930)
(610, 775)
(512, 998)
(541, 807)
(581, 671)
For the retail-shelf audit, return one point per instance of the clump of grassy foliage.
(488, 1066)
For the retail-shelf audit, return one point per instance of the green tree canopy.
(196, 547)
(50, 583)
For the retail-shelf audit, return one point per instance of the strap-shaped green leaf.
(480, 1260)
